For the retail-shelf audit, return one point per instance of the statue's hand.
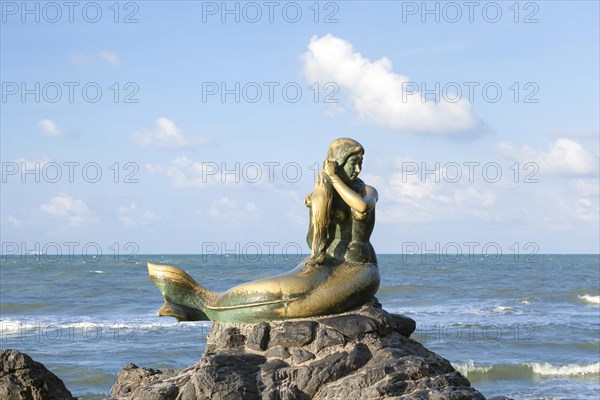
(329, 166)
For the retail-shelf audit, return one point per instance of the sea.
(523, 327)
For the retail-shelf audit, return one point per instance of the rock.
(328, 337)
(278, 352)
(133, 376)
(363, 354)
(301, 355)
(293, 334)
(259, 337)
(351, 326)
(22, 378)
(224, 337)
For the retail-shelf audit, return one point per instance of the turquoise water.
(529, 329)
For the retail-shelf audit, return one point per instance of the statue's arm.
(355, 200)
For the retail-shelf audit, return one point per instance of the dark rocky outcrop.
(22, 378)
(364, 354)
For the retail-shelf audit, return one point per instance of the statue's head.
(348, 154)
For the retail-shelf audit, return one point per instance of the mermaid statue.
(340, 274)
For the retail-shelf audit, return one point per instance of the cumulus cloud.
(410, 198)
(226, 209)
(74, 210)
(166, 135)
(109, 57)
(132, 216)
(183, 172)
(588, 200)
(380, 95)
(50, 128)
(563, 157)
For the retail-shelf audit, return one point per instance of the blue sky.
(209, 130)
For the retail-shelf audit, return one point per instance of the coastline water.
(524, 328)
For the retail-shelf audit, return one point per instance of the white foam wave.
(470, 367)
(590, 299)
(503, 310)
(504, 371)
(97, 272)
(546, 369)
(19, 327)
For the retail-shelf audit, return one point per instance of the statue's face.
(352, 167)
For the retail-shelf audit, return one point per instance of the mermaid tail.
(184, 298)
(307, 290)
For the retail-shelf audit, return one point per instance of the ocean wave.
(525, 371)
(491, 310)
(503, 310)
(588, 298)
(469, 367)
(546, 369)
(10, 328)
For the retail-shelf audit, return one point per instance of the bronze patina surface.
(340, 274)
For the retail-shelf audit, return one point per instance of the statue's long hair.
(322, 196)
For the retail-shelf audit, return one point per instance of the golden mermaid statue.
(340, 274)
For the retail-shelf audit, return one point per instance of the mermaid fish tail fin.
(181, 312)
(184, 298)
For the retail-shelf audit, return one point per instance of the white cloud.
(80, 59)
(226, 209)
(563, 157)
(109, 57)
(12, 221)
(49, 128)
(410, 198)
(184, 172)
(587, 208)
(85, 60)
(380, 95)
(166, 135)
(132, 216)
(74, 210)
